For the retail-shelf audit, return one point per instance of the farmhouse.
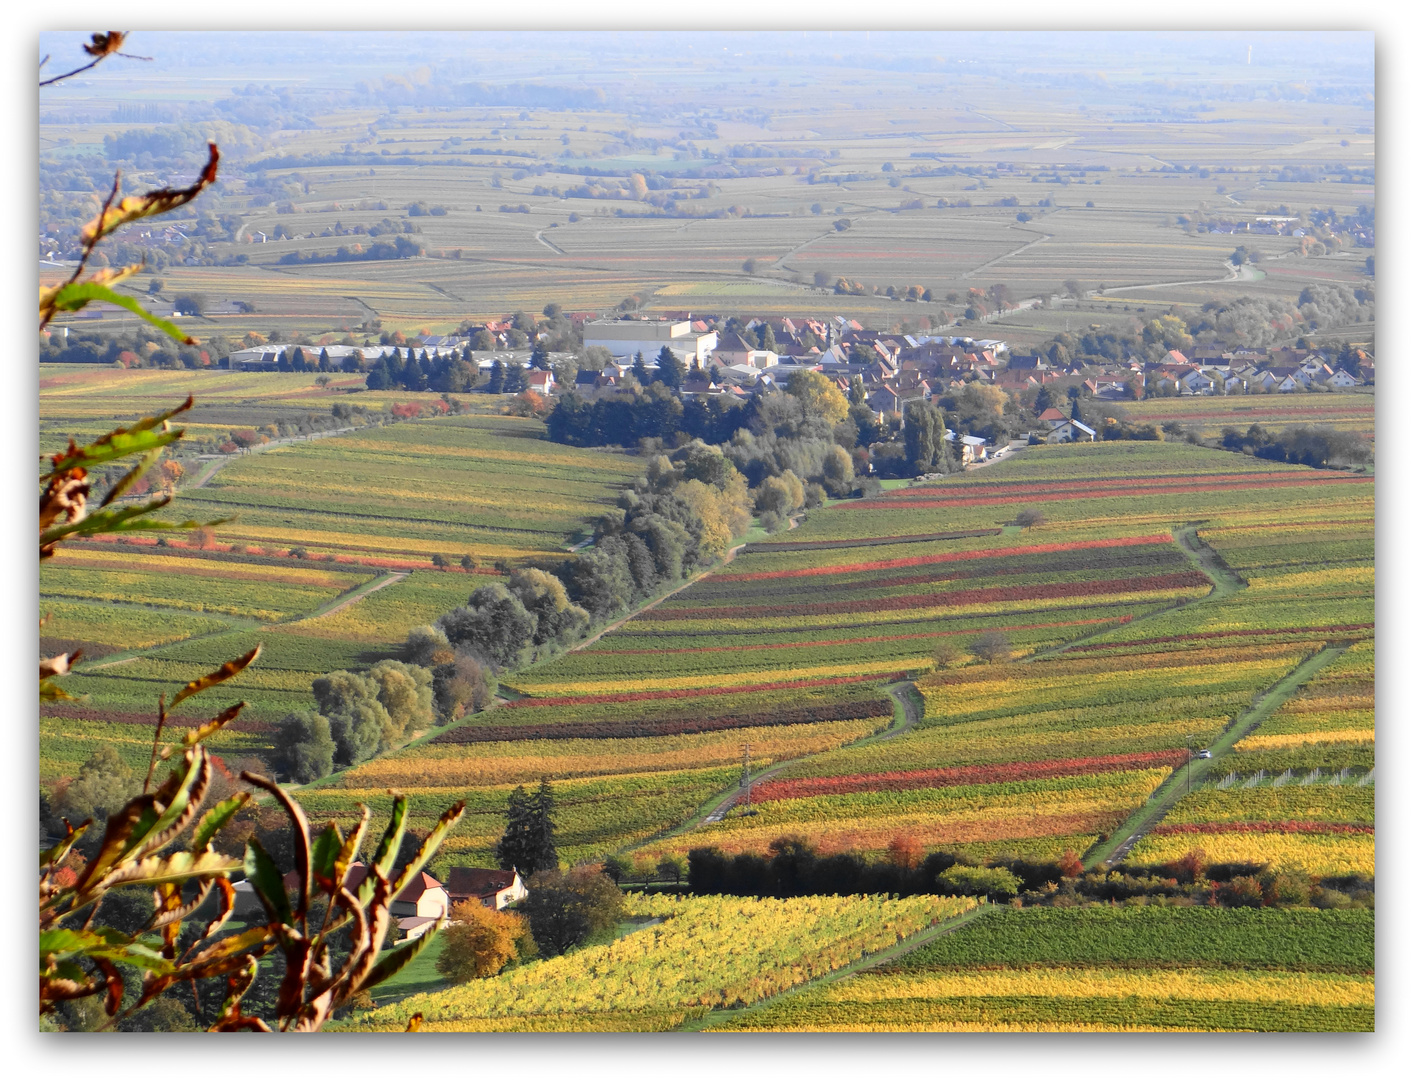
(493, 888)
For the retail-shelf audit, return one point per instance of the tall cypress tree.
(528, 844)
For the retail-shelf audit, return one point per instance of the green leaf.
(76, 295)
(388, 846)
(129, 478)
(430, 845)
(60, 946)
(61, 849)
(325, 857)
(215, 819)
(265, 878)
(395, 961)
(140, 438)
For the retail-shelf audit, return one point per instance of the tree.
(1000, 294)
(480, 942)
(357, 719)
(565, 909)
(616, 869)
(640, 369)
(497, 382)
(1030, 517)
(819, 396)
(104, 783)
(540, 356)
(303, 747)
(822, 277)
(670, 369)
(672, 868)
(515, 379)
(991, 647)
(528, 844)
(1044, 400)
(924, 429)
(905, 851)
(494, 623)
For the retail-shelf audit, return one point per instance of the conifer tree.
(670, 369)
(528, 845)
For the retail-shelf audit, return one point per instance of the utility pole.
(746, 771)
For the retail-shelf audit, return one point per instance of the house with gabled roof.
(1070, 431)
(493, 888)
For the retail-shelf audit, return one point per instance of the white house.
(1070, 431)
(626, 337)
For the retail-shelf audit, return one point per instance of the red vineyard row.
(874, 640)
(704, 691)
(644, 729)
(957, 776)
(947, 557)
(995, 594)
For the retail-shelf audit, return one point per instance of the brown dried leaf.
(136, 207)
(228, 670)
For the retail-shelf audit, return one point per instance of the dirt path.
(358, 594)
(1007, 255)
(549, 243)
(909, 713)
(1209, 562)
(1181, 782)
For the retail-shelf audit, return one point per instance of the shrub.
(1030, 518)
(481, 941)
(992, 882)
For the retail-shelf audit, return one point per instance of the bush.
(992, 882)
(481, 941)
(1030, 518)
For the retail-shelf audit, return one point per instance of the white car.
(1205, 753)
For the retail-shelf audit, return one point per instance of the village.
(735, 359)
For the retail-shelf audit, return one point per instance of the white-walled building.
(626, 337)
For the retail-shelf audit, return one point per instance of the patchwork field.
(1207, 416)
(695, 955)
(327, 561)
(1109, 969)
(1132, 641)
